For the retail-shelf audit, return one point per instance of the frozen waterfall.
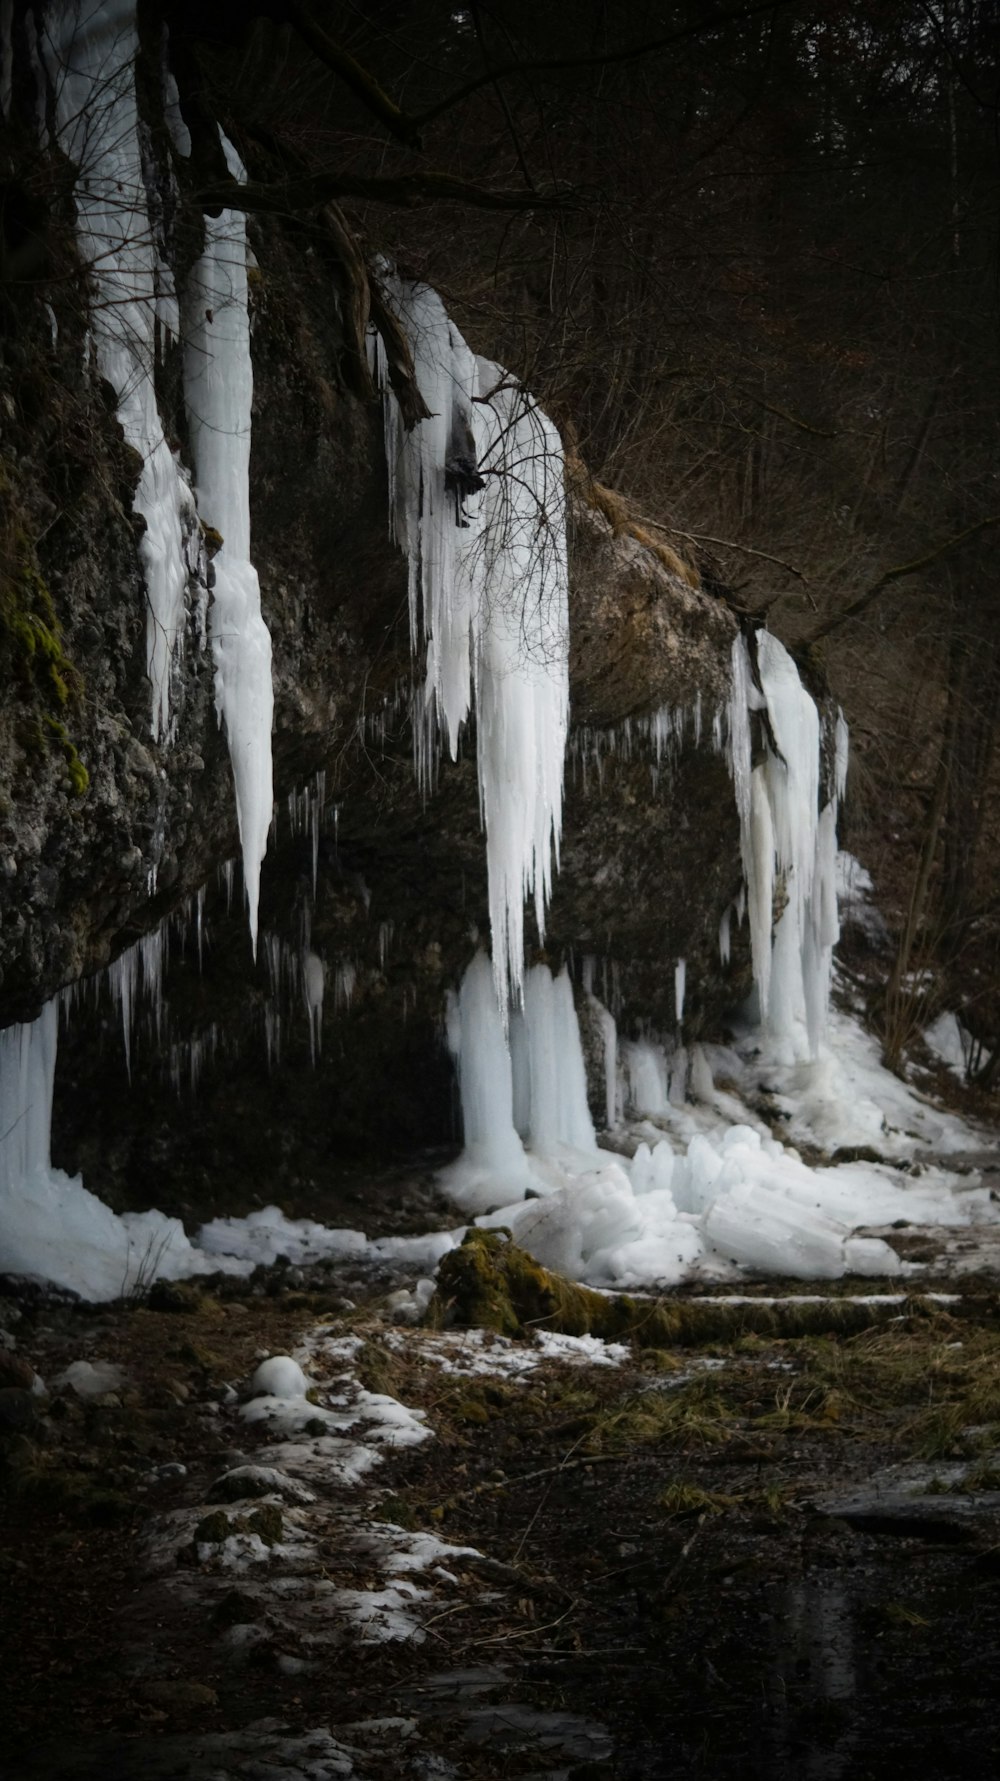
(788, 843)
(218, 393)
(89, 53)
(477, 503)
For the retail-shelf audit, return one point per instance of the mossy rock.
(490, 1283)
(396, 1511)
(213, 1528)
(267, 1523)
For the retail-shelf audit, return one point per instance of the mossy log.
(489, 1283)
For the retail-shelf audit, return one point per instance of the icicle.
(136, 976)
(488, 594)
(90, 56)
(384, 942)
(557, 1111)
(841, 752)
(316, 821)
(313, 984)
(702, 1085)
(484, 1074)
(724, 937)
(680, 980)
(784, 838)
(218, 393)
(609, 1039)
(344, 984)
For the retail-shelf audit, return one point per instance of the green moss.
(489, 1283)
(78, 775)
(213, 1528)
(395, 1510)
(32, 637)
(267, 1522)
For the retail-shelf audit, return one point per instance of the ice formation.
(488, 597)
(218, 392)
(90, 56)
(50, 1226)
(787, 841)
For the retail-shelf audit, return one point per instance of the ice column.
(537, 1090)
(218, 391)
(488, 596)
(786, 837)
(90, 53)
(477, 1039)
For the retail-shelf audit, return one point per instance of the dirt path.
(753, 1558)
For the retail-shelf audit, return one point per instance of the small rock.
(257, 1481)
(213, 1528)
(16, 1371)
(171, 1469)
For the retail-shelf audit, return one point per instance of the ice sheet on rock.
(855, 900)
(952, 1042)
(90, 54)
(218, 395)
(488, 596)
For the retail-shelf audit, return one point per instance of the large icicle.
(218, 390)
(90, 53)
(786, 839)
(521, 637)
(488, 596)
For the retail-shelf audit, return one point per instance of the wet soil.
(755, 1558)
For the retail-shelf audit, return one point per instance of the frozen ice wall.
(89, 52)
(788, 843)
(218, 391)
(477, 503)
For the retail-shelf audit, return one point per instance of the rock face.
(104, 834)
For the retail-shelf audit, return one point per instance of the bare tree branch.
(723, 543)
(405, 189)
(896, 573)
(633, 52)
(362, 84)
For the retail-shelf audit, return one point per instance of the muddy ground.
(746, 1556)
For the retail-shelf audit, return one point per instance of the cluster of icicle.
(488, 600)
(526, 1086)
(89, 52)
(788, 840)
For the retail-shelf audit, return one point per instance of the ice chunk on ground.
(279, 1377)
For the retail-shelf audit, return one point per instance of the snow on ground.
(324, 1435)
(692, 1182)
